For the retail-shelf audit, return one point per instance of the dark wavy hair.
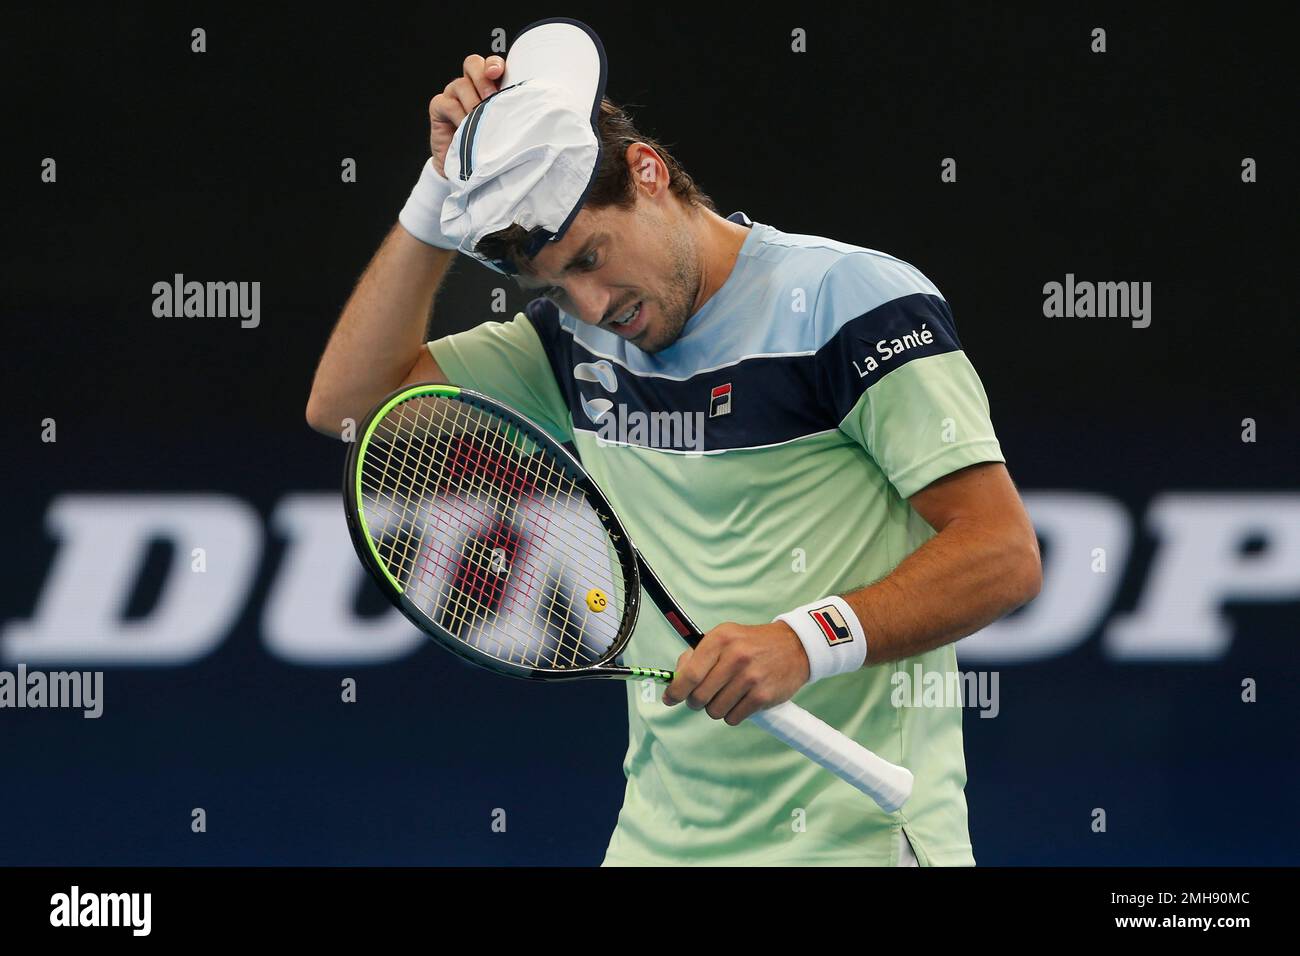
(613, 185)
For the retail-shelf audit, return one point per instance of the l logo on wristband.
(831, 623)
(831, 635)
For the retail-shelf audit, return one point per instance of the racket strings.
(411, 470)
(489, 536)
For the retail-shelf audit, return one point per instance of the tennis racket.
(492, 539)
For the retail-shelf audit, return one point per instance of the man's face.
(614, 263)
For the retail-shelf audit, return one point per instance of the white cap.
(528, 153)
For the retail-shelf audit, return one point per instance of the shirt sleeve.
(506, 361)
(894, 375)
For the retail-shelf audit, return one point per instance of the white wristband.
(831, 634)
(422, 214)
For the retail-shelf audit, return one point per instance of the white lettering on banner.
(102, 544)
(309, 617)
(1200, 564)
(1073, 599)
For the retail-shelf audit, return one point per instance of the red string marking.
(498, 505)
(472, 460)
(472, 466)
(474, 575)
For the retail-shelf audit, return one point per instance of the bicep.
(982, 492)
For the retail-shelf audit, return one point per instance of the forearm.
(964, 578)
(381, 332)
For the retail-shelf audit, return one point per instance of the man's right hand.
(449, 108)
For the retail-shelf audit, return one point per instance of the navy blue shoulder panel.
(760, 401)
(763, 400)
(867, 348)
(545, 319)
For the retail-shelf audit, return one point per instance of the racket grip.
(887, 784)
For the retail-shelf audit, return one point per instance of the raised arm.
(378, 342)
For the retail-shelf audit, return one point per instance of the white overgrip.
(886, 783)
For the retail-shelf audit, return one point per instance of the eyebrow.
(592, 241)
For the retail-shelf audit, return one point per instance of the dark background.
(1123, 166)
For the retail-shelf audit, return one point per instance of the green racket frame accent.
(658, 673)
(377, 416)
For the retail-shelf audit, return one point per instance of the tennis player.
(844, 514)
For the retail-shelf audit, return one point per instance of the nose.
(589, 301)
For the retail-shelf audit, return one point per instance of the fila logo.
(832, 625)
(720, 401)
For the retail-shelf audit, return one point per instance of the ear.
(646, 165)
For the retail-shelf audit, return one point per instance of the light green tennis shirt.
(763, 461)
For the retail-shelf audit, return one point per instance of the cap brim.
(567, 54)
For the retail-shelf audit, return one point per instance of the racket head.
(489, 536)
